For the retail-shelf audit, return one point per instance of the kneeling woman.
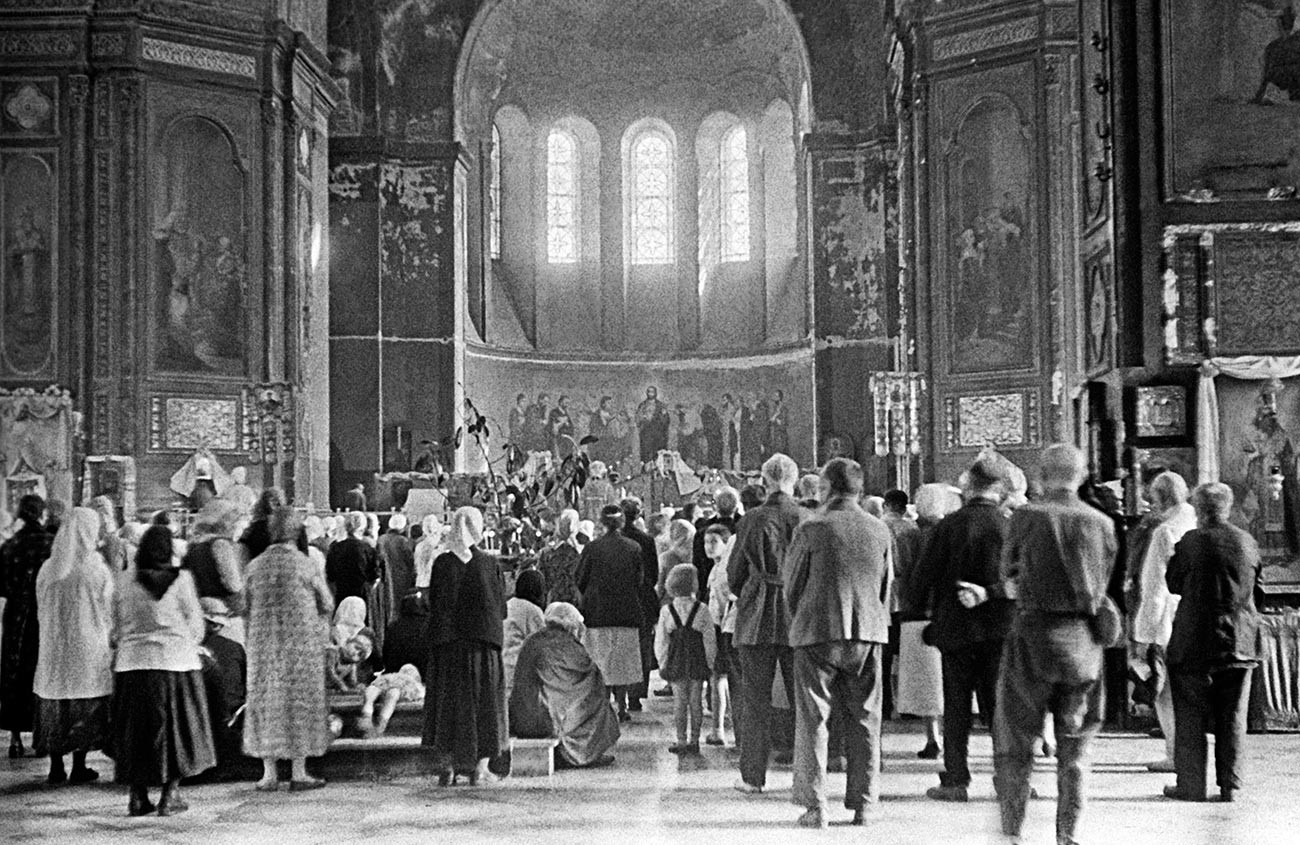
(559, 692)
(160, 711)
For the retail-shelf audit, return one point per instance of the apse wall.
(722, 413)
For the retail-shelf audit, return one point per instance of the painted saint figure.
(652, 422)
(1273, 513)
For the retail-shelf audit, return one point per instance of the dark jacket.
(965, 546)
(1061, 552)
(610, 578)
(837, 576)
(646, 593)
(1216, 626)
(351, 567)
(398, 556)
(407, 639)
(754, 571)
(467, 600)
(703, 564)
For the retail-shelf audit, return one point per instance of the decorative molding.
(199, 58)
(104, 44)
(181, 423)
(37, 44)
(1161, 411)
(102, 318)
(78, 90)
(100, 411)
(1011, 419)
(988, 38)
(1062, 21)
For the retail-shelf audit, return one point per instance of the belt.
(775, 580)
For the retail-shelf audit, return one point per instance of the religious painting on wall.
(1232, 98)
(1259, 423)
(718, 418)
(418, 45)
(28, 228)
(199, 260)
(991, 252)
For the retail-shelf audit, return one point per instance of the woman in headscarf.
(523, 619)
(464, 721)
(680, 549)
(74, 669)
(161, 727)
(349, 619)
(213, 560)
(352, 567)
(559, 563)
(609, 579)
(396, 574)
(111, 545)
(288, 606)
(559, 692)
(256, 537)
(427, 550)
(21, 558)
(314, 528)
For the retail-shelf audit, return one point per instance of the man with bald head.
(1057, 558)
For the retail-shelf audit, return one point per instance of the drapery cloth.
(1246, 367)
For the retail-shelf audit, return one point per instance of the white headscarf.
(466, 531)
(566, 526)
(561, 614)
(397, 522)
(349, 618)
(75, 546)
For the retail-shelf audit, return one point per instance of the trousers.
(758, 667)
(1216, 700)
(843, 677)
(1050, 665)
(973, 669)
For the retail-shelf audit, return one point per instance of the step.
(532, 758)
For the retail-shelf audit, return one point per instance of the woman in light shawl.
(559, 692)
(432, 544)
(288, 606)
(314, 528)
(74, 669)
(559, 564)
(523, 619)
(349, 618)
(110, 543)
(464, 719)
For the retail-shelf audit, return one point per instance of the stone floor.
(650, 795)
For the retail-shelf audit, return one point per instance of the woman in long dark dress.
(161, 728)
(21, 558)
(464, 712)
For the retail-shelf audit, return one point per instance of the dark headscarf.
(531, 586)
(31, 508)
(154, 566)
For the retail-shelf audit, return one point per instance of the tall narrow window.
(494, 196)
(561, 198)
(733, 195)
(651, 206)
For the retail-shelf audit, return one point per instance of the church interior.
(420, 253)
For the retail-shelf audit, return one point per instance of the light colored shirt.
(163, 634)
(1154, 620)
(722, 602)
(523, 619)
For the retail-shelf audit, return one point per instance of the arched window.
(733, 194)
(562, 208)
(650, 209)
(494, 196)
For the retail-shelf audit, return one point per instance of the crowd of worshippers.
(995, 589)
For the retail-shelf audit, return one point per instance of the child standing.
(722, 606)
(686, 646)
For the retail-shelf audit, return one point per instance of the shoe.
(267, 786)
(57, 777)
(138, 806)
(947, 793)
(624, 716)
(1156, 733)
(783, 758)
(601, 762)
(714, 740)
(860, 814)
(447, 778)
(15, 750)
(1049, 750)
(1175, 794)
(634, 706)
(172, 805)
(1227, 795)
(837, 766)
(677, 748)
(747, 788)
(666, 692)
(813, 818)
(1164, 767)
(306, 785)
(930, 752)
(83, 776)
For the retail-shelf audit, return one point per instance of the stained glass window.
(562, 198)
(733, 195)
(652, 195)
(494, 196)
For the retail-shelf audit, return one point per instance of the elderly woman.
(352, 565)
(111, 545)
(560, 562)
(1213, 647)
(288, 607)
(559, 692)
(161, 727)
(21, 558)
(74, 670)
(432, 535)
(213, 560)
(1153, 618)
(920, 666)
(257, 536)
(523, 619)
(464, 722)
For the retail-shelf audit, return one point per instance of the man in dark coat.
(837, 578)
(647, 597)
(1213, 649)
(225, 675)
(965, 548)
(762, 635)
(1058, 558)
(609, 577)
(21, 558)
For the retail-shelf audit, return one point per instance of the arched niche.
(786, 311)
